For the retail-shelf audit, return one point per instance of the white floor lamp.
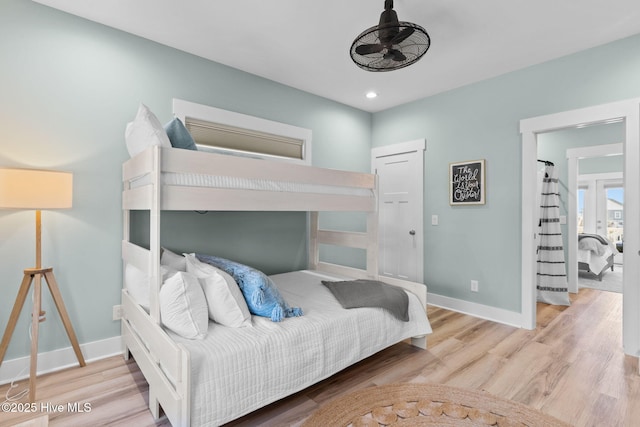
(37, 189)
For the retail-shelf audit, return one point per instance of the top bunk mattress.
(194, 180)
(238, 183)
(238, 370)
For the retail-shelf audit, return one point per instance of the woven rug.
(413, 404)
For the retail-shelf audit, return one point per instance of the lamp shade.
(35, 189)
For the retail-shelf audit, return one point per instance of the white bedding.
(596, 262)
(214, 181)
(236, 371)
(594, 253)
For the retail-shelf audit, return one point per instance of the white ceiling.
(305, 44)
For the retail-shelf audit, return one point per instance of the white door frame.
(629, 110)
(418, 145)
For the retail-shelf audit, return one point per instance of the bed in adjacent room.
(595, 254)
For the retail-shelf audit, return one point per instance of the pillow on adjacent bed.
(179, 136)
(145, 131)
(183, 307)
(260, 293)
(591, 244)
(224, 298)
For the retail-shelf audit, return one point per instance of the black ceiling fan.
(391, 44)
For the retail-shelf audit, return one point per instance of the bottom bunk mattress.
(235, 371)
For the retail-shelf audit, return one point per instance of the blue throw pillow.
(179, 136)
(260, 293)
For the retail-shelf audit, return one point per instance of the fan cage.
(413, 47)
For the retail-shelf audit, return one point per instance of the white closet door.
(401, 221)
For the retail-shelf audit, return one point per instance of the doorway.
(400, 171)
(591, 167)
(581, 150)
(629, 112)
(601, 208)
(600, 216)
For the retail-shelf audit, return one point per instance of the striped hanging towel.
(552, 273)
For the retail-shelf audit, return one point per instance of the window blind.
(228, 137)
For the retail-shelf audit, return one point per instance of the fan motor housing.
(391, 44)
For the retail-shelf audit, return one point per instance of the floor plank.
(571, 366)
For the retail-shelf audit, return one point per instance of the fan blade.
(368, 49)
(402, 35)
(395, 54)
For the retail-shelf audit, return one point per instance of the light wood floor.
(572, 367)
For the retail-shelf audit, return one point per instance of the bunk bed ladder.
(366, 241)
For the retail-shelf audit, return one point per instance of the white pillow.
(166, 272)
(224, 298)
(183, 307)
(172, 260)
(137, 283)
(145, 131)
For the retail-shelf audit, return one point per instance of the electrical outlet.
(117, 312)
(474, 286)
(434, 219)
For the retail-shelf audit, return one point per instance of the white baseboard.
(17, 369)
(481, 311)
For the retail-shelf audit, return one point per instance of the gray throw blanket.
(371, 293)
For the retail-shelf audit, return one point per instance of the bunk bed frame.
(165, 363)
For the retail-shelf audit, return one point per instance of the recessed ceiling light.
(371, 95)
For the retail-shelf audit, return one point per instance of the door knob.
(412, 232)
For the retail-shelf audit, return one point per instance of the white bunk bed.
(160, 179)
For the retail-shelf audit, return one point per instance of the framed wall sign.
(467, 183)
